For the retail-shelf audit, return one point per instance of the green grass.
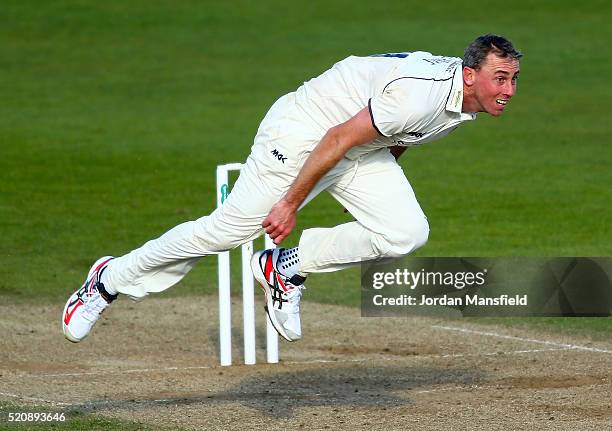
(114, 115)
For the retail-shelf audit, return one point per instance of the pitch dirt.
(156, 362)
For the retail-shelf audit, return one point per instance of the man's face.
(493, 84)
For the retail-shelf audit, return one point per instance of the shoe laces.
(93, 304)
(293, 297)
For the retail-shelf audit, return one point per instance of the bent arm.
(334, 145)
(337, 141)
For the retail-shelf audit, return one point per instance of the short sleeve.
(401, 106)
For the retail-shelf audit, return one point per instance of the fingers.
(280, 237)
(269, 226)
(277, 232)
(278, 224)
(277, 238)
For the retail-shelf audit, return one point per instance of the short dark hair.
(478, 50)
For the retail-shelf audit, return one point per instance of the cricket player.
(341, 132)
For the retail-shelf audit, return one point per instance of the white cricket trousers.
(388, 219)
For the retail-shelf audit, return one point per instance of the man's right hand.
(333, 146)
(280, 221)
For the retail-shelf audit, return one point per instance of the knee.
(217, 243)
(216, 235)
(214, 245)
(406, 240)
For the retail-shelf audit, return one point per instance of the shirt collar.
(455, 98)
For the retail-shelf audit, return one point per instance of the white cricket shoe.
(282, 294)
(85, 306)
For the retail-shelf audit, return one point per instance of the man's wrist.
(292, 203)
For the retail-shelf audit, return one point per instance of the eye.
(500, 79)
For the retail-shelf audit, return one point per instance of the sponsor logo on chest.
(278, 155)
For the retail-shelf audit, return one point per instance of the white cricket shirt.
(413, 98)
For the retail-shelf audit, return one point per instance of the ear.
(469, 76)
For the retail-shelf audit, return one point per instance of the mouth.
(501, 102)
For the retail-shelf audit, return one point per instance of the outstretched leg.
(163, 262)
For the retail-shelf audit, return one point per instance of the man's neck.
(469, 101)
